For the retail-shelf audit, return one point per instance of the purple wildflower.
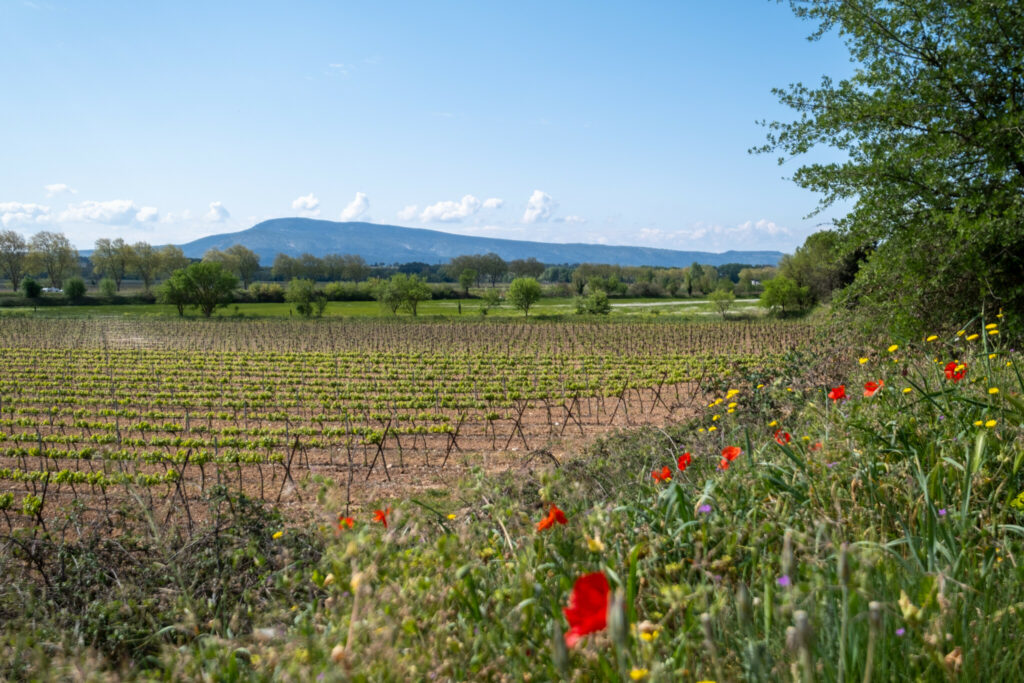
(705, 508)
(942, 512)
(783, 580)
(900, 631)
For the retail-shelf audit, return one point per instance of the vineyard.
(93, 410)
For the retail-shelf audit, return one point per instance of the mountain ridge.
(379, 243)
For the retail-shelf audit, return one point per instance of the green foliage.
(108, 287)
(781, 293)
(74, 289)
(175, 291)
(523, 293)
(595, 303)
(489, 300)
(303, 295)
(30, 288)
(722, 299)
(466, 279)
(929, 132)
(205, 285)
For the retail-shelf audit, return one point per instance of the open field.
(90, 408)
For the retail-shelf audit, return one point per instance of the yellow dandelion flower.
(961, 333)
(648, 637)
(907, 390)
(893, 348)
(451, 516)
(991, 356)
(789, 388)
(992, 332)
(991, 326)
(1009, 363)
(972, 337)
(277, 535)
(731, 410)
(714, 418)
(711, 429)
(773, 423)
(806, 438)
(990, 424)
(993, 390)
(731, 393)
(733, 404)
(760, 386)
(595, 545)
(932, 337)
(862, 361)
(638, 674)
(978, 423)
(701, 430)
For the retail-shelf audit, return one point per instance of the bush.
(31, 288)
(74, 289)
(267, 292)
(108, 287)
(645, 290)
(348, 291)
(594, 304)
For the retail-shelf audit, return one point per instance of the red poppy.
(588, 607)
(816, 446)
(781, 437)
(382, 516)
(664, 475)
(730, 453)
(345, 523)
(838, 392)
(724, 465)
(684, 462)
(871, 388)
(554, 515)
(955, 371)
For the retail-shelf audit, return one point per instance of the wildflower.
(978, 423)
(907, 390)
(782, 438)
(992, 332)
(731, 410)
(732, 392)
(712, 428)
(972, 337)
(892, 349)
(816, 446)
(595, 545)
(638, 674)
(730, 453)
(714, 418)
(783, 580)
(345, 523)
(732, 405)
(991, 356)
(955, 371)
(991, 326)
(932, 338)
(451, 515)
(900, 631)
(942, 512)
(664, 475)
(554, 515)
(588, 607)
(838, 392)
(684, 461)
(871, 388)
(382, 516)
(960, 333)
(993, 390)
(990, 424)
(277, 535)
(773, 423)
(760, 386)
(704, 509)
(862, 361)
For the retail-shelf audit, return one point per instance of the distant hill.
(392, 244)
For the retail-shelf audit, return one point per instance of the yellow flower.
(733, 404)
(731, 410)
(701, 430)
(648, 637)
(638, 674)
(990, 424)
(760, 386)
(806, 438)
(960, 333)
(991, 332)
(932, 337)
(978, 423)
(862, 361)
(278, 535)
(451, 516)
(773, 423)
(789, 388)
(711, 429)
(1000, 313)
(907, 390)
(991, 356)
(991, 326)
(714, 418)
(1009, 363)
(993, 390)
(972, 337)
(731, 393)
(595, 545)
(910, 611)
(893, 348)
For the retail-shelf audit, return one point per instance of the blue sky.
(618, 123)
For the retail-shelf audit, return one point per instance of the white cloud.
(494, 203)
(539, 207)
(451, 212)
(572, 219)
(760, 234)
(113, 212)
(147, 214)
(307, 206)
(356, 208)
(16, 213)
(408, 213)
(58, 188)
(217, 213)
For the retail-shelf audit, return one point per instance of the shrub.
(74, 289)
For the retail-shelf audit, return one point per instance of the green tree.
(782, 292)
(523, 293)
(108, 287)
(493, 267)
(489, 300)
(52, 253)
(388, 296)
(530, 267)
(466, 279)
(112, 259)
(175, 291)
(172, 258)
(206, 285)
(411, 290)
(146, 263)
(595, 303)
(303, 295)
(722, 299)
(13, 257)
(929, 131)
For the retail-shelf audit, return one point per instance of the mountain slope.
(392, 244)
